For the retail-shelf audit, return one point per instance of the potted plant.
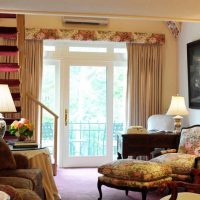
(22, 129)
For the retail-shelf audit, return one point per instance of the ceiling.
(179, 10)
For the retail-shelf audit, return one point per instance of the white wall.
(189, 32)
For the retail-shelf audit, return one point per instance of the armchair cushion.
(7, 160)
(180, 163)
(190, 141)
(135, 170)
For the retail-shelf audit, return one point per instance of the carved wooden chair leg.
(99, 184)
(144, 193)
(126, 192)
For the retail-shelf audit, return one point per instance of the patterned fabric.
(12, 192)
(28, 194)
(35, 175)
(88, 35)
(137, 170)
(137, 184)
(17, 182)
(7, 160)
(190, 141)
(180, 163)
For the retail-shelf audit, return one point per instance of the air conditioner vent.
(85, 20)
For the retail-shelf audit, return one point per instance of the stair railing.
(43, 107)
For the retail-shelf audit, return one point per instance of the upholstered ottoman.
(134, 175)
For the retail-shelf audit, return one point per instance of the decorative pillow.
(135, 170)
(180, 163)
(190, 141)
(7, 160)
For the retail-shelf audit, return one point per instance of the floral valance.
(90, 35)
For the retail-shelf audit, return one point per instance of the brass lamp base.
(177, 124)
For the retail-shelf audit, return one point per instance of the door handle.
(66, 117)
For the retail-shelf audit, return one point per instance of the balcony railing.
(85, 139)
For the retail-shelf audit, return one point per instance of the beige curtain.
(144, 82)
(31, 76)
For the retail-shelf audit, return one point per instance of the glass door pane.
(119, 98)
(87, 111)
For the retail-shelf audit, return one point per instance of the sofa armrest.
(35, 175)
(17, 182)
(168, 151)
(21, 161)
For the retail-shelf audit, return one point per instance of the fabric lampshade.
(6, 101)
(177, 106)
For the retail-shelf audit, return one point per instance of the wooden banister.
(43, 107)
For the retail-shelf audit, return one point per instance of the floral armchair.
(187, 155)
(159, 172)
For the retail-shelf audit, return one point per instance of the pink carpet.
(81, 184)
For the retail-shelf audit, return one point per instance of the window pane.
(87, 111)
(48, 99)
(49, 48)
(119, 97)
(88, 49)
(120, 50)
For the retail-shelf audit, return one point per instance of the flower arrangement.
(22, 128)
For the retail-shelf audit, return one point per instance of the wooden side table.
(143, 144)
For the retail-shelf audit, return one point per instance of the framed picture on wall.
(193, 56)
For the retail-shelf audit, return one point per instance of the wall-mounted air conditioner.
(85, 20)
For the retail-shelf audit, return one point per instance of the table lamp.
(6, 105)
(178, 109)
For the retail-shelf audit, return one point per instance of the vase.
(22, 138)
(2, 128)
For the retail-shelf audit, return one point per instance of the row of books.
(23, 144)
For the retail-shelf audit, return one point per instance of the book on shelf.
(25, 144)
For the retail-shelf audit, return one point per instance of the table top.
(152, 132)
(32, 152)
(24, 148)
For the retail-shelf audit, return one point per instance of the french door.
(88, 115)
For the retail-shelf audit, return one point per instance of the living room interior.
(44, 23)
